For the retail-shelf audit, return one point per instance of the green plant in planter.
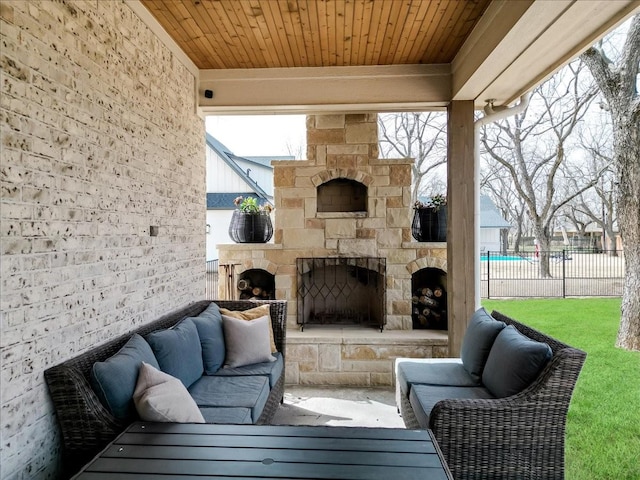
(250, 205)
(435, 202)
(250, 222)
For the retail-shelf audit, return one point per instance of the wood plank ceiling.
(226, 34)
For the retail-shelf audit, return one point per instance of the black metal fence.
(572, 273)
(211, 280)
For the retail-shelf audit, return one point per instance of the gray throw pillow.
(514, 362)
(477, 342)
(209, 325)
(178, 351)
(251, 314)
(246, 341)
(159, 397)
(114, 380)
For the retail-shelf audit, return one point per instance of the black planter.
(250, 227)
(429, 225)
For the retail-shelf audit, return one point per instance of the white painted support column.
(462, 171)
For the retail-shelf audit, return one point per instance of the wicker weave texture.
(87, 426)
(518, 437)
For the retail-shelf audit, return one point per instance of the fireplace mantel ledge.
(249, 246)
(337, 335)
(341, 215)
(424, 245)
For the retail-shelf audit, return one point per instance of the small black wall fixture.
(208, 93)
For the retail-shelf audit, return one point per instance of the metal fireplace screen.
(341, 291)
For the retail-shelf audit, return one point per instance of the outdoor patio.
(103, 152)
(339, 406)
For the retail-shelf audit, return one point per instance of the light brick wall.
(100, 141)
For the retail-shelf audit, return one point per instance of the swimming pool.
(483, 257)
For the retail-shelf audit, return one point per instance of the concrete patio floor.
(339, 406)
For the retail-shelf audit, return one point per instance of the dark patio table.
(148, 451)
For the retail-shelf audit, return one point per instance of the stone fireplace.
(344, 205)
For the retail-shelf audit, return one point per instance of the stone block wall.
(362, 358)
(100, 141)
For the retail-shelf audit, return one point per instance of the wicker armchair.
(518, 437)
(86, 425)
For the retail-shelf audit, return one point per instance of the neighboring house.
(491, 224)
(230, 176)
(590, 238)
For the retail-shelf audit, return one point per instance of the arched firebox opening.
(429, 299)
(342, 195)
(256, 283)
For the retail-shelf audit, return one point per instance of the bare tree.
(596, 206)
(421, 136)
(533, 148)
(600, 207)
(618, 82)
(296, 149)
(608, 218)
(573, 213)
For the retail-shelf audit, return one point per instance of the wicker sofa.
(483, 437)
(87, 426)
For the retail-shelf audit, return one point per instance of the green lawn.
(603, 427)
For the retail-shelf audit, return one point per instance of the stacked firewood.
(429, 308)
(252, 292)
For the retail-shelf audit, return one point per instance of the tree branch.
(597, 62)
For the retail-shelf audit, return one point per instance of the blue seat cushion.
(272, 370)
(450, 373)
(178, 351)
(514, 362)
(209, 326)
(424, 397)
(477, 342)
(232, 415)
(218, 391)
(114, 380)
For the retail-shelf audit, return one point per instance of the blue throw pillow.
(178, 351)
(514, 362)
(477, 342)
(114, 380)
(209, 325)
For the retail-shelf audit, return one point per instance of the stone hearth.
(343, 150)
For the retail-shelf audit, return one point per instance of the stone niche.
(256, 283)
(429, 299)
(342, 195)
